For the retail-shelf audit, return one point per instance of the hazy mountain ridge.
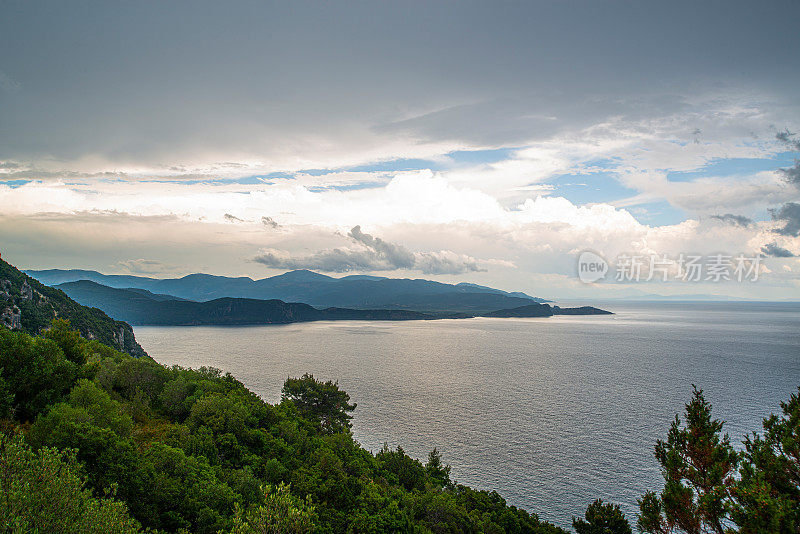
(318, 290)
(138, 308)
(144, 308)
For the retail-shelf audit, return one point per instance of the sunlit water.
(552, 413)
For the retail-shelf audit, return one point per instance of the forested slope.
(30, 306)
(194, 450)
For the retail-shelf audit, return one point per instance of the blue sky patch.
(15, 183)
(657, 213)
(481, 157)
(722, 167)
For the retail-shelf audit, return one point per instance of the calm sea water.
(552, 413)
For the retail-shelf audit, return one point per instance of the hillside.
(530, 310)
(145, 308)
(30, 306)
(320, 291)
(136, 307)
(545, 310)
(194, 451)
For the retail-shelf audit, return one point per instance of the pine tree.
(698, 465)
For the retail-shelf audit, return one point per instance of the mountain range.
(142, 307)
(314, 289)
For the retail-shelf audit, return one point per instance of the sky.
(485, 142)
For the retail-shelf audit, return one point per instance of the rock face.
(30, 306)
(11, 318)
(25, 292)
(5, 288)
(10, 315)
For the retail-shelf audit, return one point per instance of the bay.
(550, 412)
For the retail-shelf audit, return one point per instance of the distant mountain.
(139, 308)
(318, 290)
(30, 306)
(142, 307)
(151, 295)
(545, 310)
(530, 310)
(582, 310)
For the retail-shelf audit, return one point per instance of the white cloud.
(373, 254)
(143, 266)
(499, 223)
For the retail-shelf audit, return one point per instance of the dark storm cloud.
(373, 254)
(790, 174)
(446, 263)
(730, 218)
(789, 215)
(395, 255)
(331, 260)
(788, 139)
(772, 249)
(163, 83)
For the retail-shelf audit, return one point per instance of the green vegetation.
(318, 290)
(35, 305)
(43, 491)
(602, 518)
(141, 307)
(281, 512)
(710, 487)
(97, 440)
(321, 402)
(177, 450)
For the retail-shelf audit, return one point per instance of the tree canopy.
(192, 450)
(602, 518)
(112, 443)
(320, 401)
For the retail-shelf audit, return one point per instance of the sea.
(552, 413)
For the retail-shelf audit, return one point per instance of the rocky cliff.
(29, 306)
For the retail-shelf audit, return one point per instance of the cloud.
(395, 255)
(534, 243)
(737, 220)
(789, 215)
(143, 266)
(337, 260)
(286, 107)
(269, 222)
(789, 139)
(790, 174)
(8, 84)
(371, 254)
(772, 249)
(446, 262)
